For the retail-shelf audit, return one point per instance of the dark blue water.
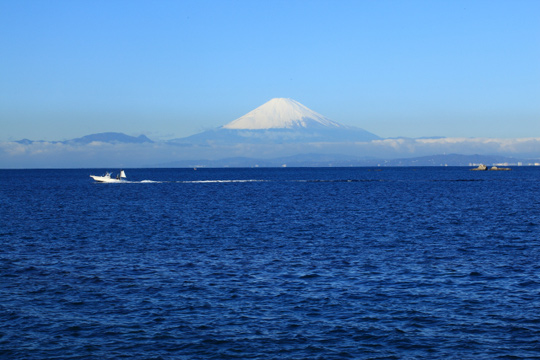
(350, 263)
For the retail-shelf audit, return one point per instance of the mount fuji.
(281, 113)
(281, 121)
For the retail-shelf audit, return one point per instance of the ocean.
(271, 263)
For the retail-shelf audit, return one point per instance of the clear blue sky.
(174, 68)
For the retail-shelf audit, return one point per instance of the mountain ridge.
(279, 132)
(104, 137)
(111, 137)
(279, 121)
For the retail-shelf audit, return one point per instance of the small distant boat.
(108, 179)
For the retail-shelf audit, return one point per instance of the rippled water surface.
(359, 263)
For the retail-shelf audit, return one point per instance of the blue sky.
(170, 69)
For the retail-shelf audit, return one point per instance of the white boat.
(108, 179)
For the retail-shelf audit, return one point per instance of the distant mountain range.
(106, 137)
(112, 137)
(278, 121)
(281, 132)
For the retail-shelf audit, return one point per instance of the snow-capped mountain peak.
(281, 113)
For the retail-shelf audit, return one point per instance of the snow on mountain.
(281, 113)
(280, 121)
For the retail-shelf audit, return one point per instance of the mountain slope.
(280, 113)
(106, 137)
(280, 121)
(112, 137)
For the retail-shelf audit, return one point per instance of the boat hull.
(105, 179)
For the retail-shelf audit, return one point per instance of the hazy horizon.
(278, 129)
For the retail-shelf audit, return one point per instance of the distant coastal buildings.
(519, 163)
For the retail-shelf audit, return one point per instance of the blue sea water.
(305, 263)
